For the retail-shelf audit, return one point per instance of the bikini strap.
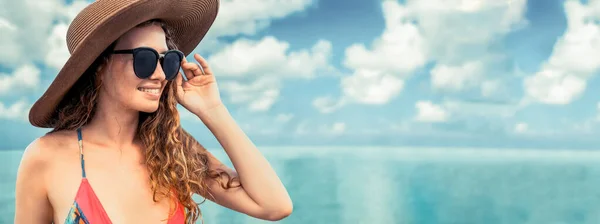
(80, 142)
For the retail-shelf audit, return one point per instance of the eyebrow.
(157, 50)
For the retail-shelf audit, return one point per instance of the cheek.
(164, 85)
(122, 82)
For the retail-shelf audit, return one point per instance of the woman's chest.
(122, 189)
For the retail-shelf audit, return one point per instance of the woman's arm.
(31, 201)
(262, 194)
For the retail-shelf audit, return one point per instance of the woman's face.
(119, 82)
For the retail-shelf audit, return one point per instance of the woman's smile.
(152, 93)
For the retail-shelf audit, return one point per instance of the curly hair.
(178, 165)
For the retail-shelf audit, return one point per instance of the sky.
(447, 73)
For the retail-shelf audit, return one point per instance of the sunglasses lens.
(144, 64)
(171, 63)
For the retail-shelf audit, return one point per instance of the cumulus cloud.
(284, 118)
(429, 112)
(574, 60)
(379, 72)
(521, 127)
(15, 111)
(329, 129)
(32, 32)
(271, 57)
(250, 16)
(338, 128)
(327, 104)
(454, 35)
(28, 28)
(371, 86)
(257, 95)
(455, 78)
(482, 109)
(26, 77)
(58, 53)
(247, 17)
(267, 61)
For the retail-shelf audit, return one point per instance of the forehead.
(148, 36)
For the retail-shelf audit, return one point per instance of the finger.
(203, 64)
(179, 79)
(194, 68)
(189, 74)
(179, 82)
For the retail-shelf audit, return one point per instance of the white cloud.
(429, 112)
(521, 127)
(247, 17)
(284, 118)
(265, 100)
(459, 34)
(6, 25)
(28, 25)
(258, 95)
(450, 25)
(270, 57)
(58, 53)
(490, 88)
(371, 86)
(338, 128)
(399, 50)
(16, 111)
(553, 86)
(26, 77)
(270, 61)
(306, 127)
(575, 58)
(481, 109)
(455, 34)
(327, 104)
(454, 78)
(379, 72)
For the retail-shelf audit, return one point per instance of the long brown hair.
(177, 163)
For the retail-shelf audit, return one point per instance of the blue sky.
(461, 73)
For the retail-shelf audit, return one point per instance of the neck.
(113, 124)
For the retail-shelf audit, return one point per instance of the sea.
(381, 185)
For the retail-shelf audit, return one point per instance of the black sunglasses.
(145, 60)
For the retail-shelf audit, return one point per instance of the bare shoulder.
(31, 192)
(45, 149)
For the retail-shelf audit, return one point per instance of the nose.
(158, 74)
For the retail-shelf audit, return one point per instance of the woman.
(117, 152)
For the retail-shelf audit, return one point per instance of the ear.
(101, 71)
(103, 67)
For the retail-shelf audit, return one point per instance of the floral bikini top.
(87, 209)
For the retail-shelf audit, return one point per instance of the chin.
(144, 105)
(147, 107)
(147, 102)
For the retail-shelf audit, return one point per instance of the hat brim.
(106, 21)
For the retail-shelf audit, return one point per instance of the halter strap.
(80, 142)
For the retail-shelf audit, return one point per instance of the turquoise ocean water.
(373, 185)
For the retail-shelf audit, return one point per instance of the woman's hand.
(199, 93)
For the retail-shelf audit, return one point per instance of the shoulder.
(31, 190)
(40, 153)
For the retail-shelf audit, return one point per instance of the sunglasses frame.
(158, 57)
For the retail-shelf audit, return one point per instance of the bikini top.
(87, 209)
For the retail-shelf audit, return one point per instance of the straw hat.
(103, 21)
